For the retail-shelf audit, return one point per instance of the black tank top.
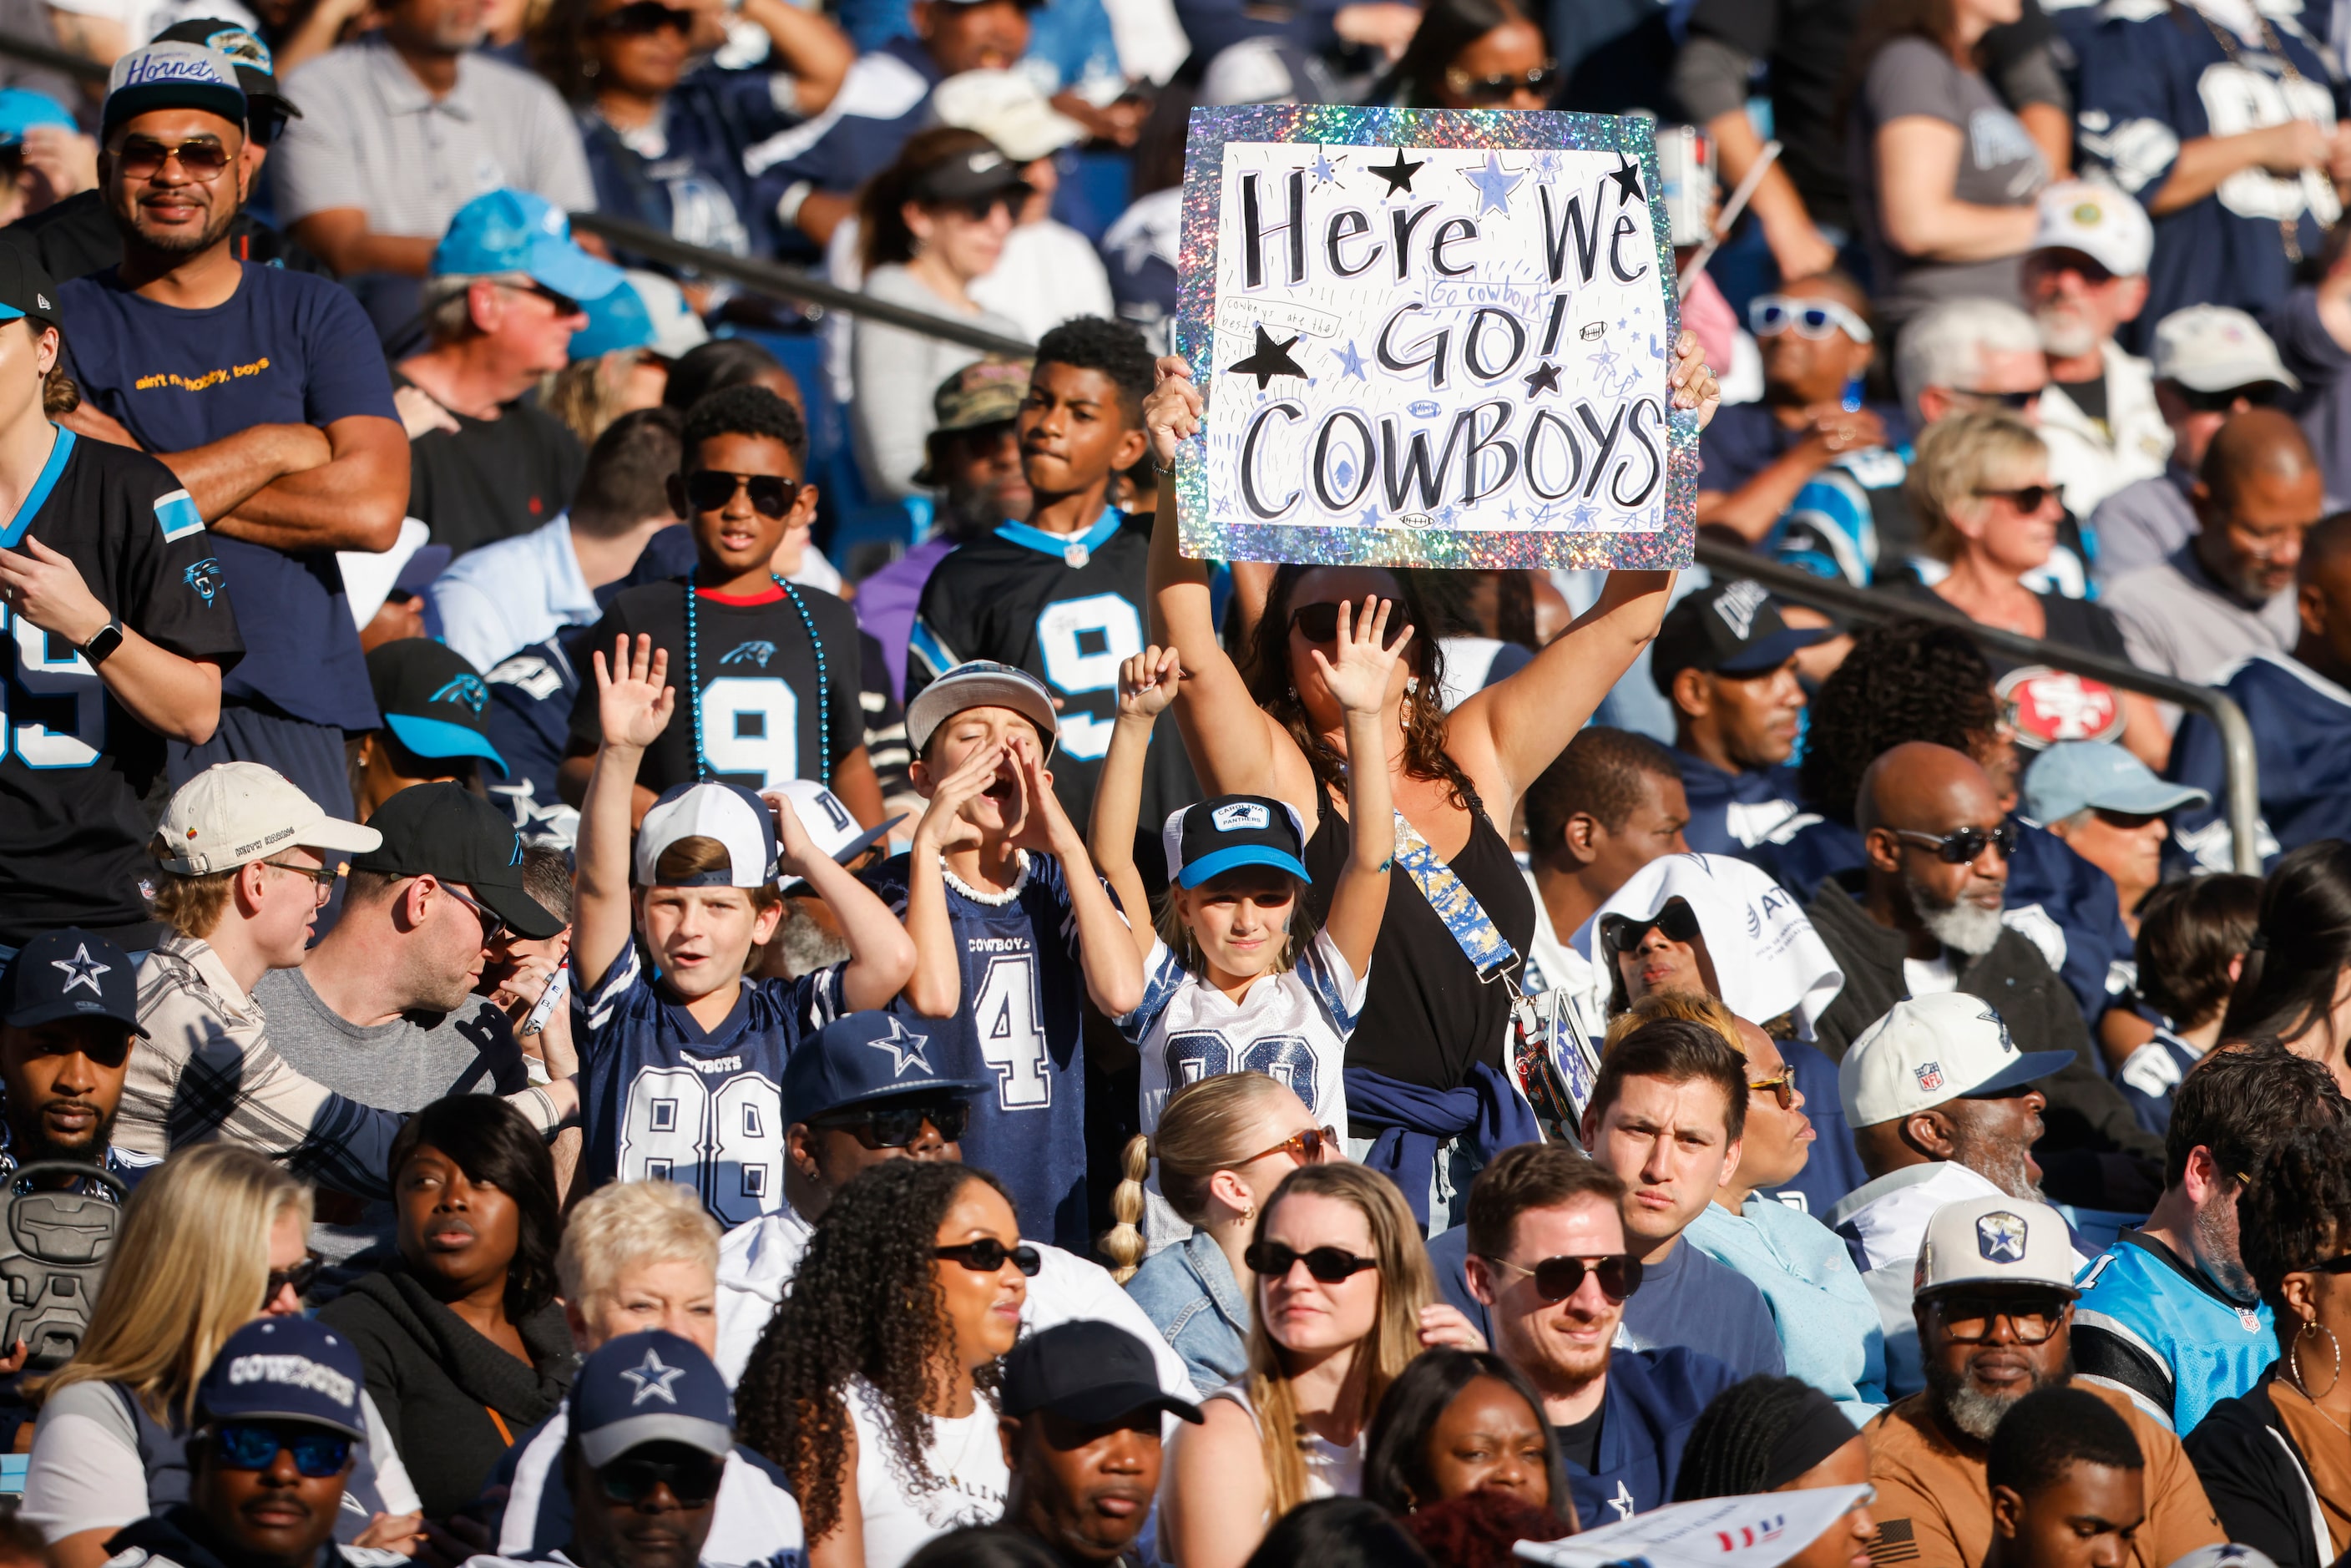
(1426, 1018)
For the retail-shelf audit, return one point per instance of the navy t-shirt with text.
(286, 348)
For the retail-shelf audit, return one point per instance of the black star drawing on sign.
(1398, 174)
(1268, 360)
(1544, 378)
(1627, 175)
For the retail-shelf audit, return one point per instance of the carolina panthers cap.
(840, 835)
(733, 815)
(171, 75)
(653, 1386)
(70, 974)
(233, 812)
(981, 682)
(434, 700)
(257, 69)
(286, 1369)
(865, 1056)
(512, 231)
(1213, 836)
(1931, 1050)
(1726, 628)
(447, 831)
(22, 110)
(1995, 1241)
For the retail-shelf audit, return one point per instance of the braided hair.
(1905, 680)
(1732, 1445)
(866, 1303)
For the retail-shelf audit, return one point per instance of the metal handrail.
(51, 58)
(1870, 604)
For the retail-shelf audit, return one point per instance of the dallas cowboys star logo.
(81, 969)
(652, 1379)
(905, 1049)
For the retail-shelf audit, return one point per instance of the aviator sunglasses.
(1556, 1279)
(710, 489)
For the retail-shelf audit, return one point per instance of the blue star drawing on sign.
(1546, 166)
(1370, 516)
(1584, 514)
(1398, 174)
(653, 1379)
(905, 1049)
(1494, 187)
(1351, 362)
(1627, 175)
(1510, 512)
(1543, 378)
(1605, 359)
(1270, 359)
(1325, 172)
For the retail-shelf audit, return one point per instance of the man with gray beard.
(2084, 279)
(1993, 1307)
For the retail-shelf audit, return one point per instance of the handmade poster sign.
(1430, 337)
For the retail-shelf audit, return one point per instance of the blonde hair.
(586, 394)
(1953, 458)
(1167, 922)
(1406, 1285)
(1690, 1006)
(1203, 1129)
(628, 1223)
(191, 905)
(188, 1268)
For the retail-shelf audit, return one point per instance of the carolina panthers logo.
(750, 653)
(468, 690)
(205, 577)
(2000, 1237)
(1246, 816)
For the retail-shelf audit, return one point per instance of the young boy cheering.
(772, 669)
(1061, 595)
(679, 1073)
(1010, 925)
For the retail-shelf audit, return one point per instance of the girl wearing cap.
(1236, 983)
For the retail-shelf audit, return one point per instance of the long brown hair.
(882, 237)
(1406, 1285)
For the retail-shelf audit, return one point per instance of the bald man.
(2226, 594)
(2299, 706)
(1922, 917)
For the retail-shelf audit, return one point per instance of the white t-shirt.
(1930, 977)
(1331, 1471)
(1292, 1025)
(966, 1458)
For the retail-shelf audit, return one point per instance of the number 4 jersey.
(661, 1097)
(1017, 1031)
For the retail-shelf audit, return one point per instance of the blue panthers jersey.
(662, 1097)
(1019, 1030)
(531, 694)
(2302, 740)
(2151, 1324)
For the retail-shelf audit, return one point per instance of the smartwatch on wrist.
(103, 643)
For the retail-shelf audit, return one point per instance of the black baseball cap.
(1089, 1372)
(1209, 837)
(1727, 629)
(434, 700)
(257, 70)
(70, 974)
(983, 172)
(27, 289)
(447, 832)
(863, 1057)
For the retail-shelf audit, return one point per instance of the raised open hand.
(1147, 682)
(1359, 676)
(633, 697)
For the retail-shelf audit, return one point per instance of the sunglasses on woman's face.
(988, 1255)
(900, 1125)
(1556, 1279)
(1963, 845)
(2026, 498)
(300, 1277)
(1311, 1147)
(1622, 933)
(1782, 1089)
(1331, 1265)
(644, 16)
(1320, 622)
(317, 1455)
(629, 1481)
(712, 489)
(1500, 89)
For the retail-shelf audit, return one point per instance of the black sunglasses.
(1320, 622)
(1964, 844)
(1497, 88)
(561, 303)
(317, 1455)
(143, 157)
(2015, 401)
(1329, 1264)
(629, 1481)
(645, 17)
(2023, 498)
(1622, 933)
(1556, 1279)
(988, 1255)
(898, 1126)
(300, 1277)
(2257, 395)
(710, 490)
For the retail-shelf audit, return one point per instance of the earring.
(2294, 1359)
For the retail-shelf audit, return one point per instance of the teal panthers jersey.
(2152, 1325)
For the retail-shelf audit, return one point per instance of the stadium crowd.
(932, 1074)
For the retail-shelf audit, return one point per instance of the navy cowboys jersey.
(662, 1098)
(531, 694)
(2302, 741)
(1018, 1029)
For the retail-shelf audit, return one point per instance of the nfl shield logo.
(2000, 1237)
(1931, 1075)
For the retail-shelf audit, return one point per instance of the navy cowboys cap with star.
(70, 974)
(650, 1388)
(861, 1057)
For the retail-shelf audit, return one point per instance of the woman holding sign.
(1428, 1097)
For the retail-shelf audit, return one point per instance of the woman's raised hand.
(1147, 682)
(1358, 678)
(1172, 412)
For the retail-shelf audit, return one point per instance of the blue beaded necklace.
(693, 677)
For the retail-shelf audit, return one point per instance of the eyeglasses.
(898, 1126)
(317, 1455)
(1500, 87)
(143, 157)
(494, 926)
(1311, 1147)
(1556, 1279)
(1782, 1089)
(2255, 394)
(2027, 498)
(1769, 315)
(1622, 933)
(981, 208)
(711, 489)
(2014, 401)
(1331, 1265)
(321, 877)
(1320, 622)
(1961, 846)
(988, 1255)
(1967, 1320)
(300, 1277)
(629, 1480)
(645, 17)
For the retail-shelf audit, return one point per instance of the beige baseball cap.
(235, 812)
(1929, 1049)
(1995, 1241)
(2100, 222)
(2212, 348)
